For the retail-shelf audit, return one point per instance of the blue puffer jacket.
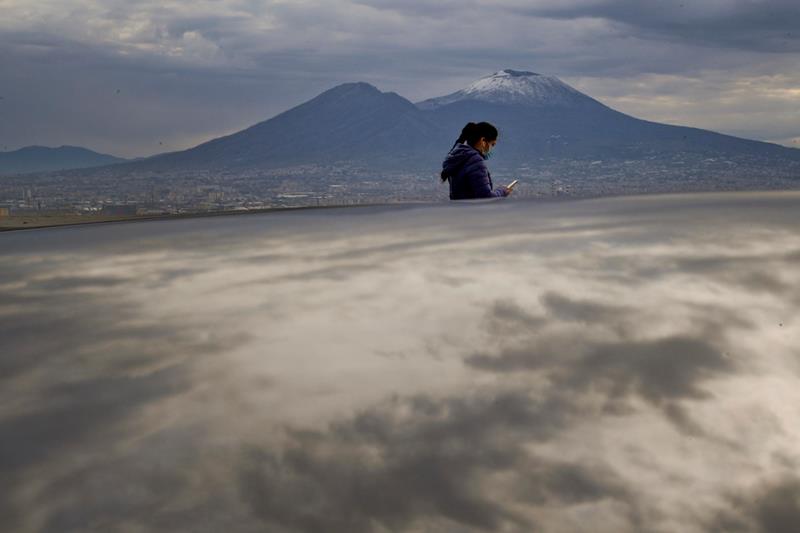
(468, 175)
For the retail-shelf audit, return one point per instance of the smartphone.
(511, 185)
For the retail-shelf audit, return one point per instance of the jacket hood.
(458, 155)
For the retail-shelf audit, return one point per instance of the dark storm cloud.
(509, 317)
(422, 461)
(564, 308)
(660, 370)
(240, 60)
(570, 483)
(162, 474)
(772, 507)
(767, 26)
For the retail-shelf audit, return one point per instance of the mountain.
(350, 122)
(43, 159)
(516, 87)
(540, 118)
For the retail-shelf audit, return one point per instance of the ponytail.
(472, 133)
(467, 133)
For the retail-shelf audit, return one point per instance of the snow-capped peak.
(513, 87)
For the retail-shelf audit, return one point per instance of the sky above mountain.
(138, 78)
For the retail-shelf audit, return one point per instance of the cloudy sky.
(136, 78)
(607, 366)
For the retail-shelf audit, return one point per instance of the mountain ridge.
(539, 117)
(36, 158)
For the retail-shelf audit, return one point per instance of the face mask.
(488, 154)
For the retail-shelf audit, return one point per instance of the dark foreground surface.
(612, 365)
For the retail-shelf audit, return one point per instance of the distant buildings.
(124, 209)
(347, 184)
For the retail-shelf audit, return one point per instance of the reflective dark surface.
(611, 365)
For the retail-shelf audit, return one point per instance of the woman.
(465, 165)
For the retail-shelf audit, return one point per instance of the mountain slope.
(540, 116)
(350, 122)
(43, 159)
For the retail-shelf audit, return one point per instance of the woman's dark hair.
(472, 133)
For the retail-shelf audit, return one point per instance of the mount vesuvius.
(540, 119)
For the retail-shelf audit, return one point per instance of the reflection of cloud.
(660, 371)
(509, 317)
(424, 463)
(79, 367)
(565, 308)
(330, 273)
(406, 246)
(773, 507)
(349, 369)
(75, 413)
(93, 329)
(59, 283)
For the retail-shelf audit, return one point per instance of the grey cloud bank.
(190, 72)
(609, 365)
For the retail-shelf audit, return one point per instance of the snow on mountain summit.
(513, 87)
